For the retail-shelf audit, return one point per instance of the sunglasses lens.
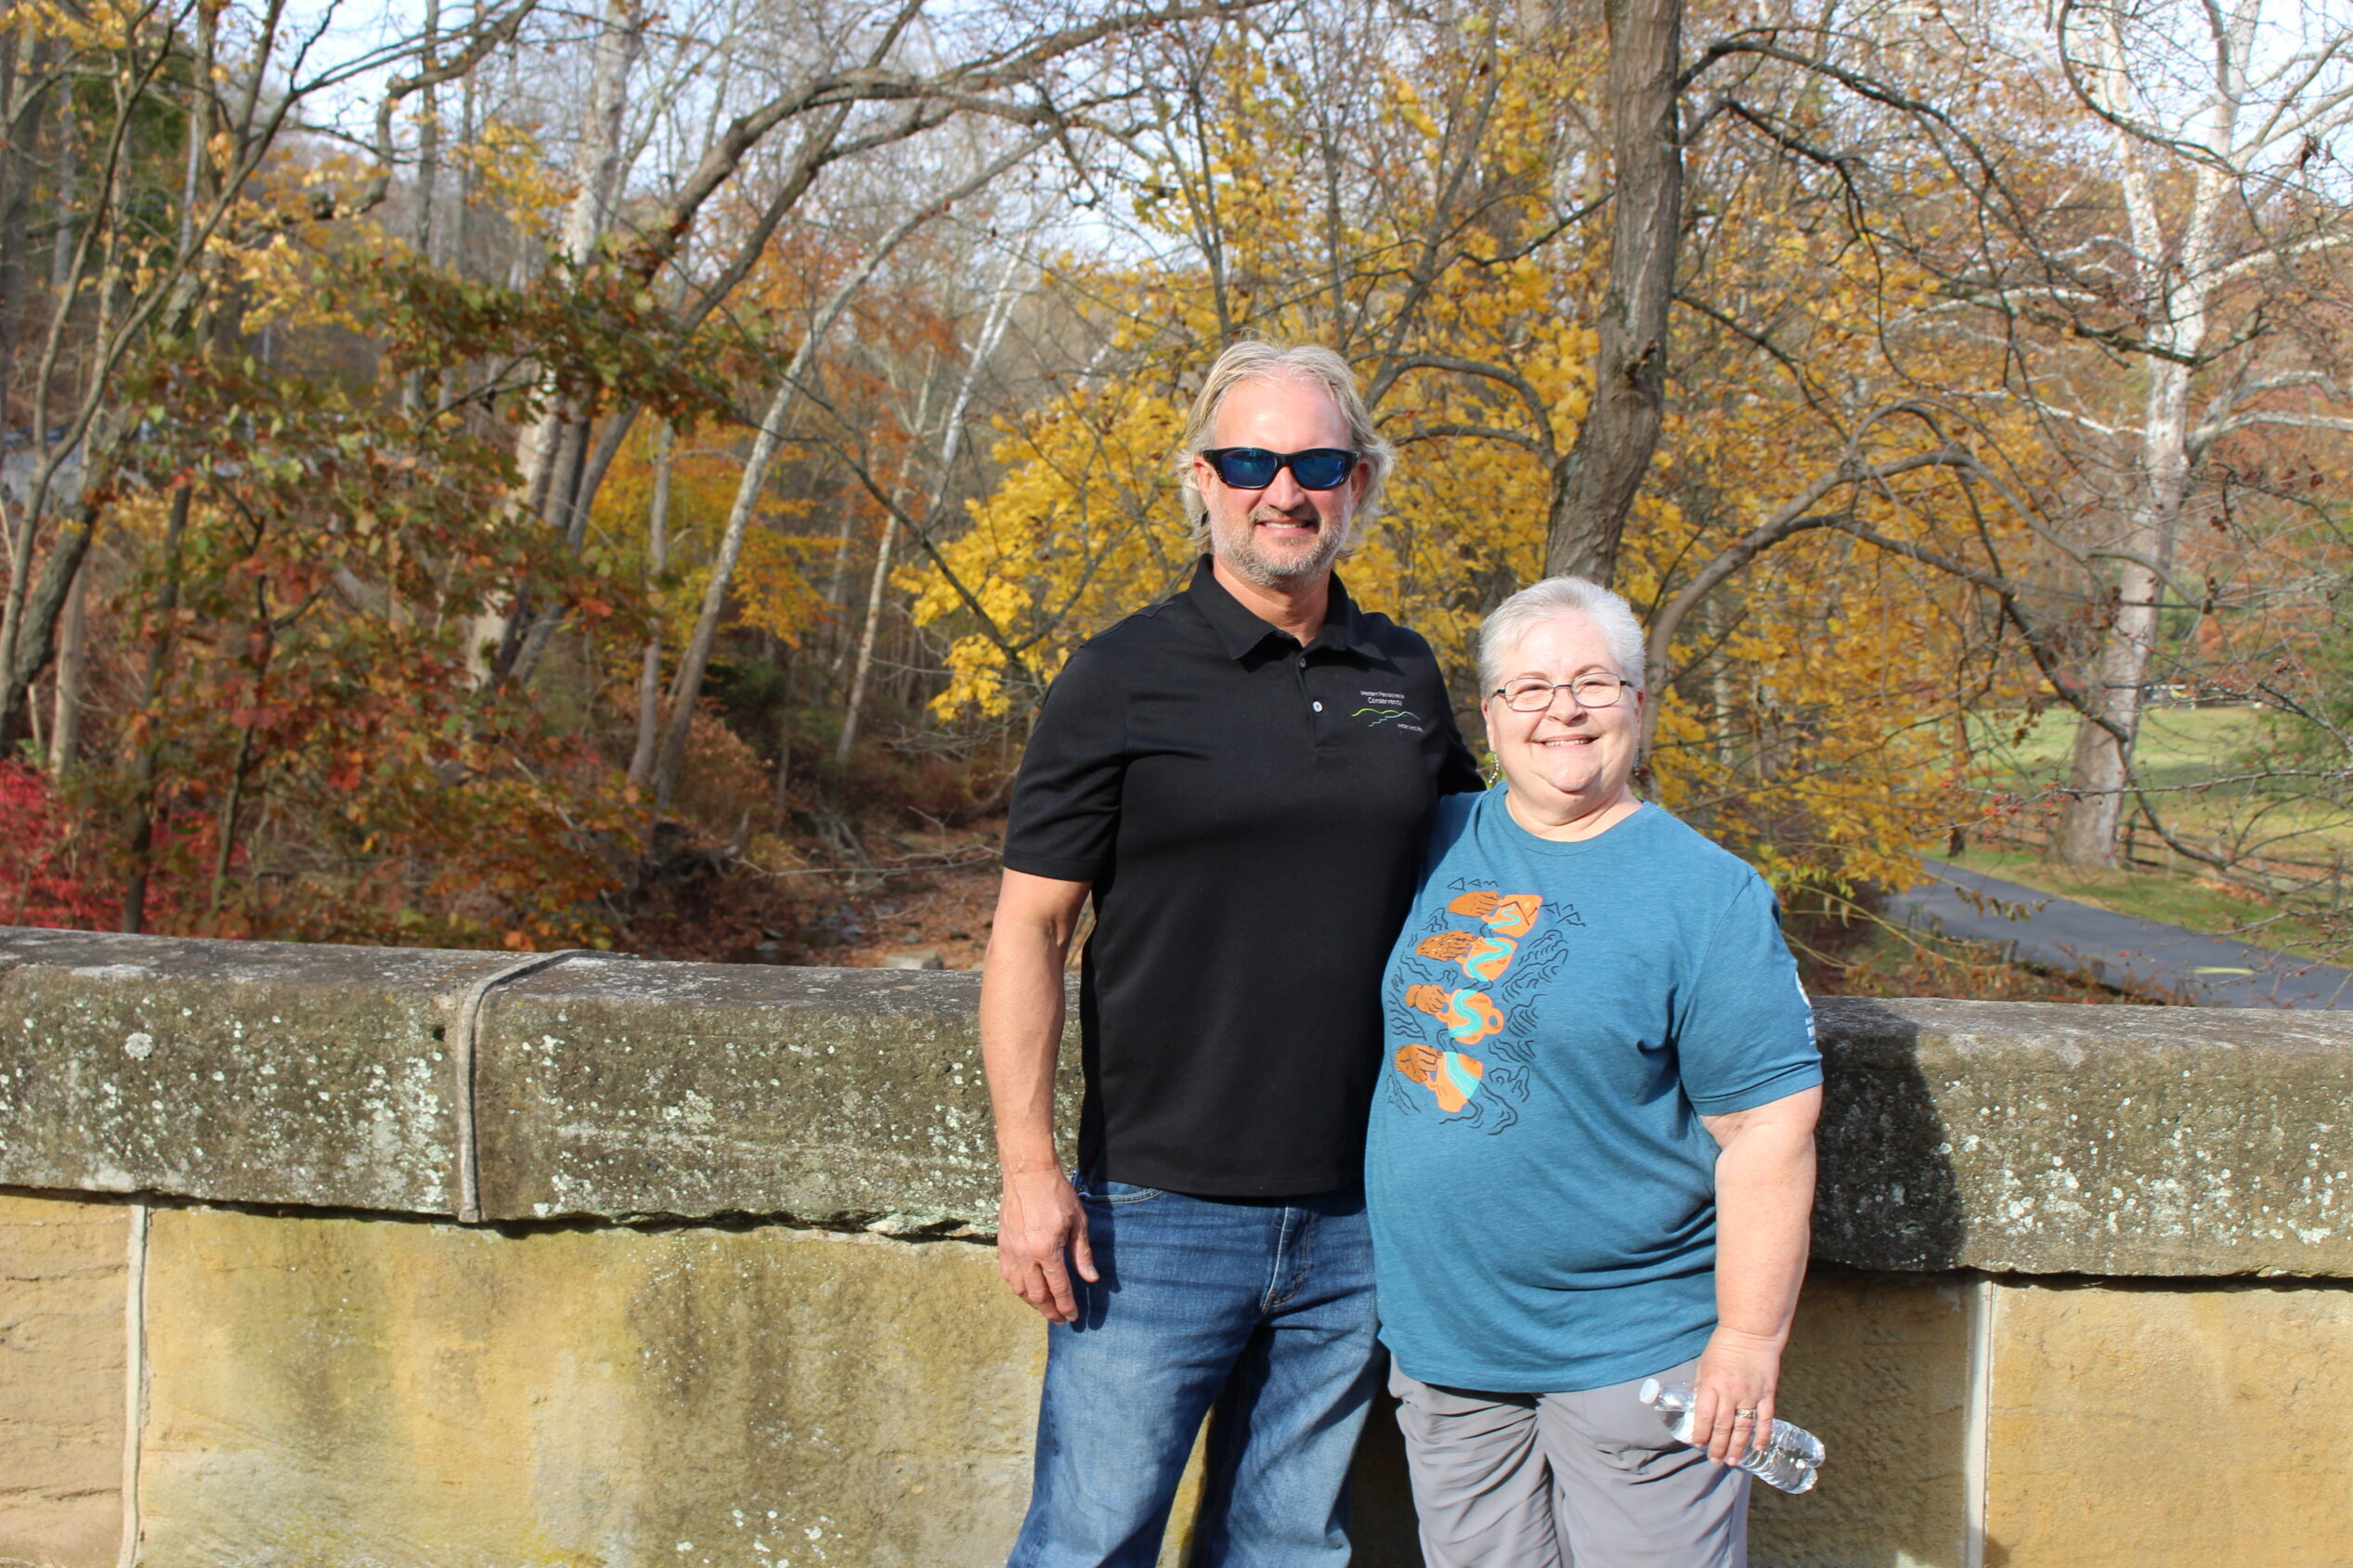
(1248, 468)
(1323, 467)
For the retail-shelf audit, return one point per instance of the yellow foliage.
(514, 176)
(1076, 535)
(772, 583)
(1808, 730)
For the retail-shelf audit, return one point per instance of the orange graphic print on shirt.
(1450, 1075)
(1469, 1016)
(1481, 957)
(1505, 914)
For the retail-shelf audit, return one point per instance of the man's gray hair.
(1555, 597)
(1260, 361)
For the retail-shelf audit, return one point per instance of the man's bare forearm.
(1022, 1016)
(1020, 1041)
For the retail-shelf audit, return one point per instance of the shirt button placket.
(1315, 730)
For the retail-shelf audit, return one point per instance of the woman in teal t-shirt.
(1592, 1154)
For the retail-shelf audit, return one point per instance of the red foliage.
(48, 873)
(56, 868)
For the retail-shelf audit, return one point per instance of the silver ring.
(1744, 1414)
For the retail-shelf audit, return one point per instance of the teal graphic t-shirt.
(1558, 1018)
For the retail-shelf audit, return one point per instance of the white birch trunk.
(596, 169)
(2177, 281)
(649, 675)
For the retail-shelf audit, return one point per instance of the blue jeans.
(1263, 1309)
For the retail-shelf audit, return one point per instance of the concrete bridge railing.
(340, 1256)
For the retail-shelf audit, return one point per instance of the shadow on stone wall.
(1890, 1197)
(1878, 1365)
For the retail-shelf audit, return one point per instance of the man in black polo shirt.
(1241, 777)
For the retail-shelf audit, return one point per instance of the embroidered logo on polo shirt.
(1388, 707)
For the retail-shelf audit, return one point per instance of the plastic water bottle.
(1792, 1460)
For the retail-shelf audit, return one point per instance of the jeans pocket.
(1114, 1195)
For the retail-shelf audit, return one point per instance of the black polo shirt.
(1251, 814)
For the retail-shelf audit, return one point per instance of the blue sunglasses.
(1254, 468)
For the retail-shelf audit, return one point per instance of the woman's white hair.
(1259, 361)
(1509, 622)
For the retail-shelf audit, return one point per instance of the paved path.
(2118, 950)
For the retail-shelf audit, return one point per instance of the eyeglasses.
(1254, 468)
(1531, 696)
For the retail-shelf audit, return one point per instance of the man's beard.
(1238, 547)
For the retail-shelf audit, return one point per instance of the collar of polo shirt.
(1242, 632)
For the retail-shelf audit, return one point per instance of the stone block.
(2041, 1138)
(257, 1072)
(1877, 1367)
(329, 1391)
(2193, 1427)
(844, 1097)
(2004, 1136)
(63, 1268)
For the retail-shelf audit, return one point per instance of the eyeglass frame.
(1216, 456)
(1554, 688)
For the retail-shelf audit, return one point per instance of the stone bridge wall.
(342, 1256)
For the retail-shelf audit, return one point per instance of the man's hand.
(1041, 1235)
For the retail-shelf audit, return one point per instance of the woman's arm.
(1765, 1206)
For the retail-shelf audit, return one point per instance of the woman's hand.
(1732, 1416)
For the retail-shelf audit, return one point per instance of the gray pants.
(1550, 1480)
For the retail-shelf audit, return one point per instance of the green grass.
(2177, 900)
(2185, 755)
(2177, 745)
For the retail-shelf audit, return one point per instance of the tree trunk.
(69, 195)
(783, 741)
(864, 665)
(1604, 467)
(159, 659)
(837, 584)
(21, 110)
(686, 689)
(241, 773)
(413, 390)
(428, 140)
(2101, 773)
(65, 731)
(2177, 283)
(951, 442)
(29, 634)
(597, 169)
(688, 685)
(649, 678)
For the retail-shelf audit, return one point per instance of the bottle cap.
(1649, 1393)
